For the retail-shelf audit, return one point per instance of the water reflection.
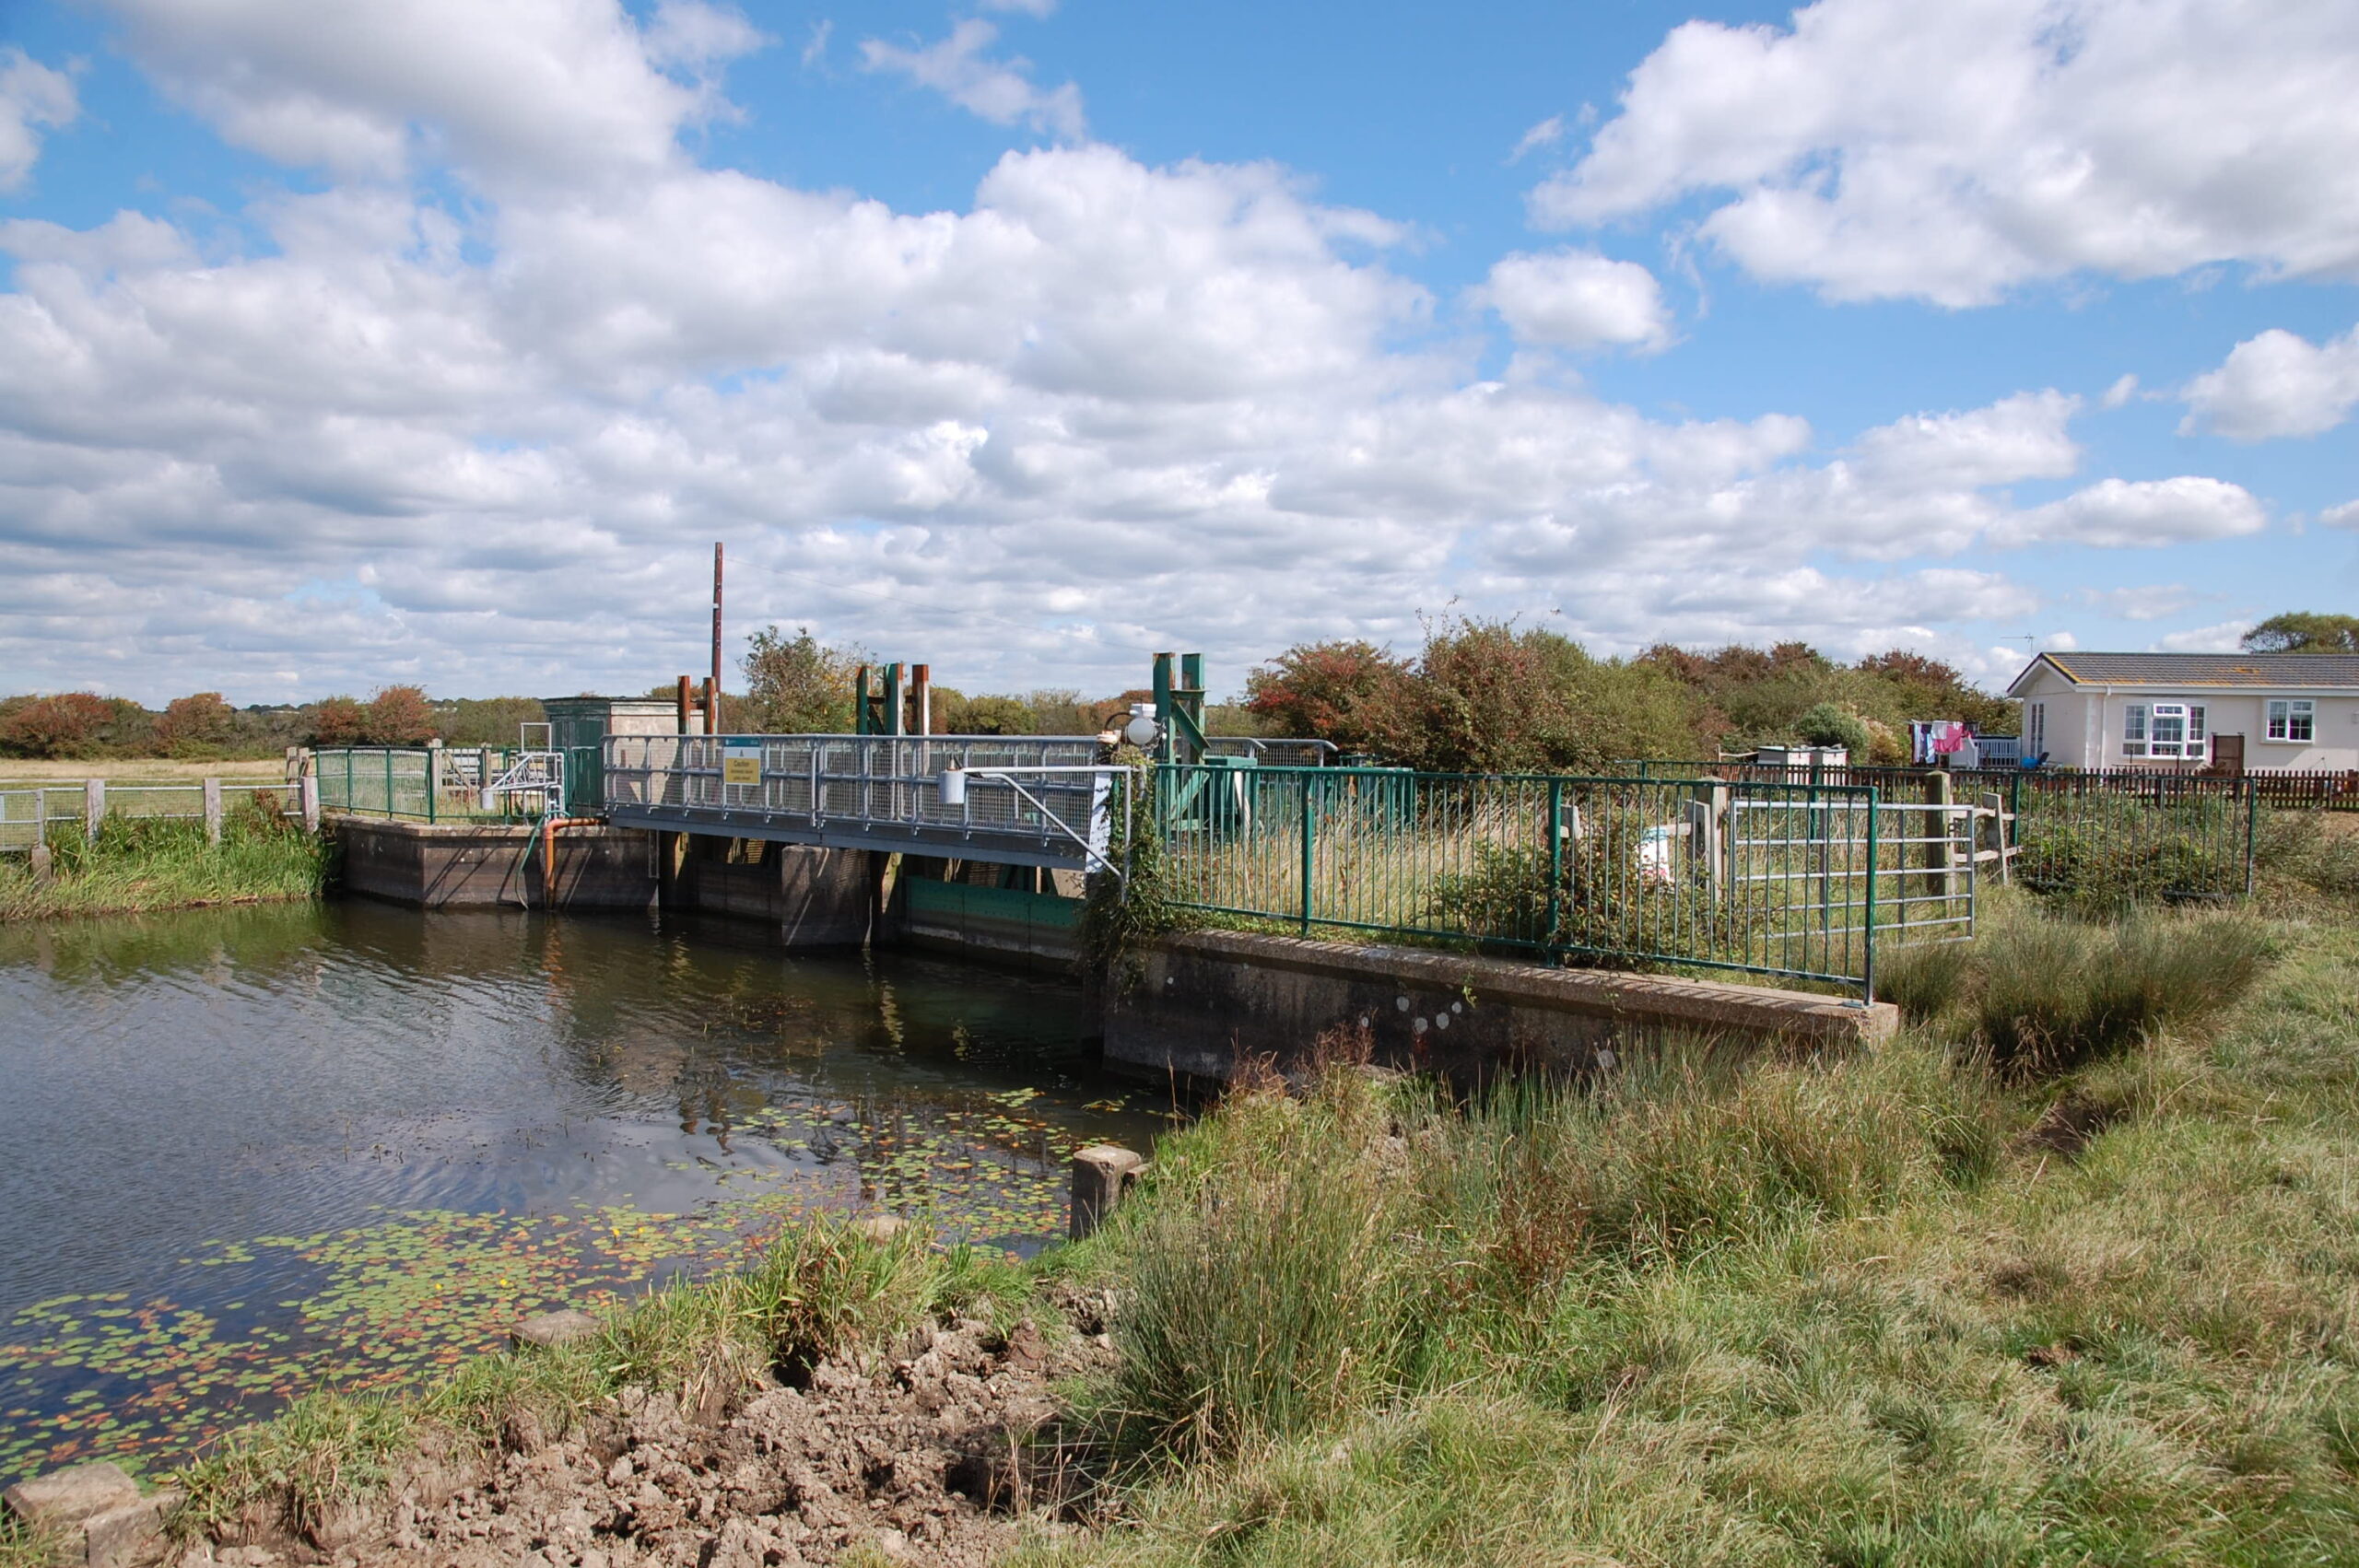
(226, 1113)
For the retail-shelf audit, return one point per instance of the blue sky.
(438, 343)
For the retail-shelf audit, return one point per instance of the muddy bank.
(921, 1454)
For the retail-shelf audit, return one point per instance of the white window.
(2034, 729)
(2133, 730)
(2293, 719)
(2175, 728)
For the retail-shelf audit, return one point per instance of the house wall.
(2083, 723)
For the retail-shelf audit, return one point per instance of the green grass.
(1857, 1311)
(135, 865)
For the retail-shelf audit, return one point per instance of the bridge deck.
(874, 793)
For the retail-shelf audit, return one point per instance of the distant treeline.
(203, 727)
(1479, 695)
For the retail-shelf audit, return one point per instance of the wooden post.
(94, 806)
(1101, 1174)
(1939, 858)
(213, 811)
(42, 861)
(1995, 805)
(310, 790)
(433, 779)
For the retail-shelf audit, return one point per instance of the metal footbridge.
(1028, 801)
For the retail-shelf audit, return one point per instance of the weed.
(323, 1448)
(147, 863)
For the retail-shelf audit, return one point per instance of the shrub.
(337, 721)
(2107, 853)
(70, 724)
(398, 716)
(196, 726)
(2046, 994)
(1828, 725)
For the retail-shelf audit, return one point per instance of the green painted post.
(2252, 829)
(433, 779)
(1868, 962)
(347, 779)
(1555, 861)
(389, 780)
(1309, 843)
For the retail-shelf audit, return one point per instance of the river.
(247, 1152)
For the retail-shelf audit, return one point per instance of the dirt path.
(914, 1456)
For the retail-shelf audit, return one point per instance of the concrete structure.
(815, 897)
(588, 720)
(1035, 929)
(2286, 710)
(1204, 1004)
(458, 865)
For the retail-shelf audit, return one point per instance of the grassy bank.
(135, 865)
(2047, 1280)
(2068, 1273)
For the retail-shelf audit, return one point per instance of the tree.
(196, 726)
(69, 724)
(1828, 725)
(2303, 631)
(337, 721)
(399, 716)
(992, 716)
(1343, 692)
(797, 686)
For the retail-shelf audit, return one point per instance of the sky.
(427, 340)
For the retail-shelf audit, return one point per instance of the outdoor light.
(1141, 731)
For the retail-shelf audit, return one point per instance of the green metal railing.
(2120, 835)
(444, 783)
(1798, 881)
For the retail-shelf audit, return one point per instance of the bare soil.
(927, 1455)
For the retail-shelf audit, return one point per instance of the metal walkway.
(1026, 800)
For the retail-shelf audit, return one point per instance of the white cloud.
(487, 442)
(2221, 639)
(31, 95)
(2344, 516)
(2118, 514)
(2123, 388)
(1881, 148)
(815, 44)
(1578, 299)
(2276, 384)
(2139, 603)
(543, 89)
(998, 91)
(1036, 9)
(1547, 134)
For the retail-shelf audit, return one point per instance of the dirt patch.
(922, 1456)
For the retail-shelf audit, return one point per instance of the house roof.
(2277, 671)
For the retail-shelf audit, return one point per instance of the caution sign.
(741, 762)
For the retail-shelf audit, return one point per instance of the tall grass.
(1707, 1311)
(2044, 993)
(145, 863)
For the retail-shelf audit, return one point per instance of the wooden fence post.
(311, 793)
(213, 811)
(94, 806)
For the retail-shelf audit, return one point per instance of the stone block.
(130, 1535)
(545, 1331)
(71, 1495)
(879, 1228)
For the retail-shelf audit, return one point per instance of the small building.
(2241, 712)
(588, 720)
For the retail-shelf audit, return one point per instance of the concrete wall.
(1206, 1002)
(816, 897)
(455, 865)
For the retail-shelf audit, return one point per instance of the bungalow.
(2242, 711)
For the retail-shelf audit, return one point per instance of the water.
(247, 1152)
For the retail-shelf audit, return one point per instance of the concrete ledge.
(463, 865)
(1207, 1002)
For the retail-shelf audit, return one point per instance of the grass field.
(140, 770)
(136, 865)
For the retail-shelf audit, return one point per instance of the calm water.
(247, 1152)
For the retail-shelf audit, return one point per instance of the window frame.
(2035, 727)
(2133, 729)
(2280, 716)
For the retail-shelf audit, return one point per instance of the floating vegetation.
(248, 1324)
